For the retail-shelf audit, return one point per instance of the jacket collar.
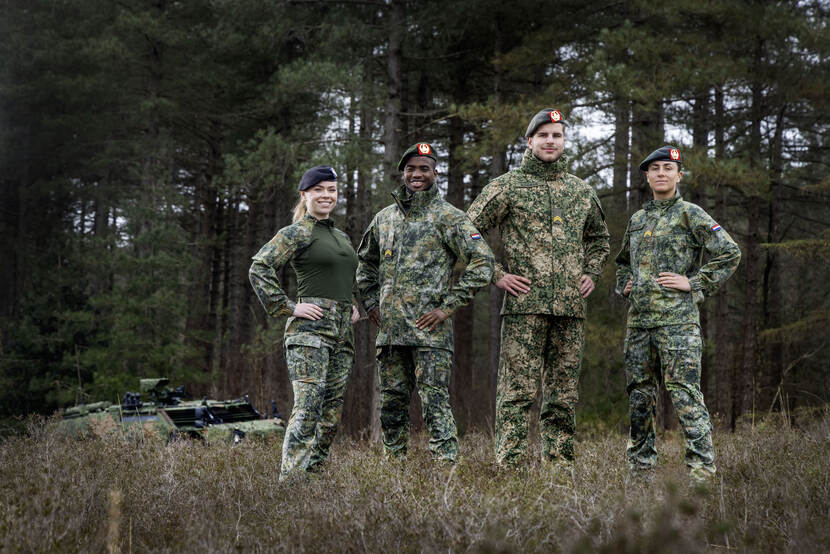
(549, 171)
(662, 205)
(407, 200)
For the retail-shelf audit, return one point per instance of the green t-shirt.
(326, 269)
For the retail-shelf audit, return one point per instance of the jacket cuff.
(695, 284)
(498, 273)
(287, 309)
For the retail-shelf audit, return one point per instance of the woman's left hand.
(674, 281)
(355, 314)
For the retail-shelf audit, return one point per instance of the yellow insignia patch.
(647, 234)
(557, 219)
(387, 253)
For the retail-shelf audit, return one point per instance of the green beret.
(548, 115)
(418, 149)
(664, 153)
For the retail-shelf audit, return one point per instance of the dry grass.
(110, 494)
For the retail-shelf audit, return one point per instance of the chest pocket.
(529, 204)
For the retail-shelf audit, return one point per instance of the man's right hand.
(308, 311)
(374, 316)
(514, 284)
(627, 288)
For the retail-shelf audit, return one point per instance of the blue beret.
(548, 115)
(317, 174)
(418, 149)
(665, 153)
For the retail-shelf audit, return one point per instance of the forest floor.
(772, 493)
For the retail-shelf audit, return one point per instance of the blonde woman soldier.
(319, 341)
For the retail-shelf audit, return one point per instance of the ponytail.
(299, 210)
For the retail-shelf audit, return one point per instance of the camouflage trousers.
(677, 348)
(534, 349)
(400, 370)
(319, 356)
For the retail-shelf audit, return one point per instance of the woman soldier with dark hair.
(319, 341)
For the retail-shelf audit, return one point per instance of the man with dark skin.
(405, 270)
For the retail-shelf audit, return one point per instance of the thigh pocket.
(684, 350)
(305, 356)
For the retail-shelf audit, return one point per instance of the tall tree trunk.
(697, 195)
(723, 368)
(745, 394)
(396, 20)
(772, 289)
(622, 128)
(646, 136)
(462, 380)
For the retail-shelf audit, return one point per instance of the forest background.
(149, 148)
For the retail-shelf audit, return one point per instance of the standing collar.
(417, 199)
(548, 171)
(662, 205)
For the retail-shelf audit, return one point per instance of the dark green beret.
(418, 149)
(548, 115)
(664, 153)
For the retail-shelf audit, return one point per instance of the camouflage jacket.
(286, 244)
(406, 267)
(553, 231)
(672, 235)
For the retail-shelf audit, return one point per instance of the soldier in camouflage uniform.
(405, 278)
(555, 246)
(660, 271)
(318, 340)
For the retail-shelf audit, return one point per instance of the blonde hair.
(299, 209)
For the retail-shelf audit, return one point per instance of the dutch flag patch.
(716, 227)
(475, 236)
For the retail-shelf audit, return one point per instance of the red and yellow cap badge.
(417, 149)
(555, 116)
(674, 154)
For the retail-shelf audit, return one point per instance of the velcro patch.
(475, 236)
(716, 227)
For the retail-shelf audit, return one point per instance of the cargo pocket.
(305, 357)
(684, 349)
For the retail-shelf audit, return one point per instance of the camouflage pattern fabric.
(319, 355)
(678, 349)
(672, 235)
(406, 265)
(546, 349)
(400, 369)
(553, 231)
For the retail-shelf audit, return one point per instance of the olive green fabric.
(332, 277)
(326, 268)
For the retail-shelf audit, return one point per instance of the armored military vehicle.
(167, 414)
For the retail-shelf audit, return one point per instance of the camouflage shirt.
(672, 235)
(553, 231)
(288, 245)
(406, 265)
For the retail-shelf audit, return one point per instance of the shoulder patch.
(716, 227)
